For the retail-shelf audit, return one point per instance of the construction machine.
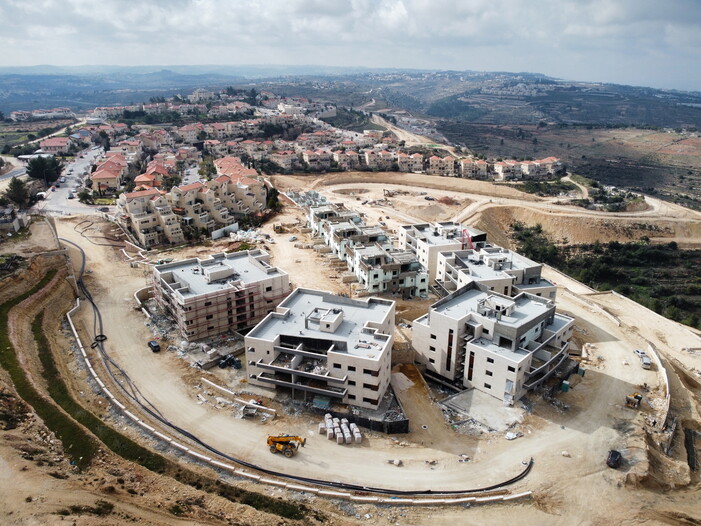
(285, 444)
(634, 400)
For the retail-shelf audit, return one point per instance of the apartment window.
(351, 382)
(433, 336)
(207, 303)
(210, 328)
(268, 289)
(488, 373)
(431, 360)
(490, 360)
(369, 401)
(485, 330)
(351, 397)
(487, 386)
(251, 349)
(511, 369)
(371, 387)
(337, 366)
(432, 348)
(351, 368)
(371, 372)
(209, 316)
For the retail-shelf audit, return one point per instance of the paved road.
(75, 172)
(17, 172)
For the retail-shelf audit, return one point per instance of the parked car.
(293, 238)
(103, 209)
(62, 180)
(70, 195)
(614, 459)
(154, 346)
(645, 362)
(639, 353)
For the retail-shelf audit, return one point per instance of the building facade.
(499, 269)
(497, 344)
(426, 241)
(227, 291)
(317, 343)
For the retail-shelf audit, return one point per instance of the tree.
(17, 192)
(47, 169)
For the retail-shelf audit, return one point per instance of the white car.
(639, 353)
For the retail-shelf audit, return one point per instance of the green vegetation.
(543, 188)
(101, 509)
(352, 120)
(16, 192)
(584, 181)
(454, 107)
(662, 278)
(47, 169)
(78, 445)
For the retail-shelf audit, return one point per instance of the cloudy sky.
(642, 42)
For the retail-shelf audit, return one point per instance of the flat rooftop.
(511, 260)
(525, 308)
(542, 283)
(355, 315)
(440, 234)
(516, 356)
(193, 277)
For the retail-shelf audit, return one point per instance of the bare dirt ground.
(588, 421)
(493, 208)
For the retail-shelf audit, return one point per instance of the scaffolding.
(213, 313)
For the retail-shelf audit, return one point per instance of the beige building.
(210, 296)
(148, 216)
(317, 343)
(494, 343)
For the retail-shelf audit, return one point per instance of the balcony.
(309, 386)
(541, 369)
(311, 368)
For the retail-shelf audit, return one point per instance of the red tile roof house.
(105, 180)
(56, 144)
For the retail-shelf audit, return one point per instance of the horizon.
(343, 70)
(628, 43)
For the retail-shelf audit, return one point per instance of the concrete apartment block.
(497, 268)
(494, 343)
(317, 343)
(428, 240)
(210, 296)
(382, 269)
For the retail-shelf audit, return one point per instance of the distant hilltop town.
(171, 181)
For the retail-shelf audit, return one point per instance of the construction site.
(460, 453)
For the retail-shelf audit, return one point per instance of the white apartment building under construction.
(428, 240)
(497, 268)
(317, 343)
(494, 343)
(210, 296)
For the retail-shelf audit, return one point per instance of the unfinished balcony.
(544, 364)
(301, 383)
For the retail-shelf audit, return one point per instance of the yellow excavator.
(285, 444)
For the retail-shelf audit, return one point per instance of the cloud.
(628, 41)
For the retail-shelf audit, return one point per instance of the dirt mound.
(350, 191)
(14, 284)
(575, 229)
